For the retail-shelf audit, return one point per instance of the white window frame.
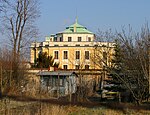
(68, 38)
(65, 64)
(79, 55)
(89, 54)
(54, 54)
(88, 65)
(63, 55)
(78, 39)
(76, 65)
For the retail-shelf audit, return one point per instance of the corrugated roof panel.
(61, 73)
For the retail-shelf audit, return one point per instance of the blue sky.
(94, 14)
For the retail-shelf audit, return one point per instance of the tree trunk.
(139, 102)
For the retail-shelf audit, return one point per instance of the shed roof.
(57, 73)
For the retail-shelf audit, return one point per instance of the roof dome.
(76, 28)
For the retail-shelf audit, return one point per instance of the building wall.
(32, 55)
(34, 51)
(71, 61)
(72, 48)
(60, 43)
(84, 37)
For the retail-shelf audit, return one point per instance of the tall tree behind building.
(115, 72)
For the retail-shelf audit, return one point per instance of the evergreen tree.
(115, 72)
(45, 61)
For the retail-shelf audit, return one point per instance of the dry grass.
(27, 108)
(37, 108)
(58, 110)
(92, 111)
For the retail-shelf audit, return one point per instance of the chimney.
(75, 28)
(75, 25)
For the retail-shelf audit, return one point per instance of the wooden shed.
(59, 83)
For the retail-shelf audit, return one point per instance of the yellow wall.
(71, 47)
(71, 61)
(95, 61)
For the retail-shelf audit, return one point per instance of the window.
(46, 45)
(56, 54)
(65, 66)
(104, 56)
(89, 39)
(55, 39)
(77, 66)
(51, 39)
(71, 30)
(79, 39)
(61, 39)
(65, 54)
(77, 54)
(87, 66)
(77, 44)
(69, 39)
(87, 55)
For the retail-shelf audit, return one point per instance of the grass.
(13, 107)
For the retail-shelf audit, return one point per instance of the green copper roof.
(76, 28)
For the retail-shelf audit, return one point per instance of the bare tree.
(5, 66)
(82, 65)
(135, 50)
(105, 36)
(135, 55)
(19, 27)
(3, 5)
(102, 54)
